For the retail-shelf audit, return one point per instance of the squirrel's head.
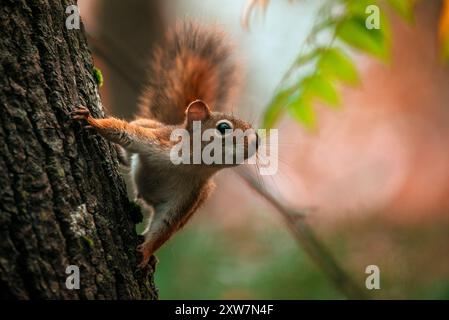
(220, 140)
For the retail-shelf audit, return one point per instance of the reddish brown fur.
(194, 63)
(149, 247)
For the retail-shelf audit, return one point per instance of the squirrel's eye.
(224, 125)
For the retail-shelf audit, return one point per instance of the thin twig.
(307, 239)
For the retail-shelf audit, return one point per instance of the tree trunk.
(62, 199)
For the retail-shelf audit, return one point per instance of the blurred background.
(373, 173)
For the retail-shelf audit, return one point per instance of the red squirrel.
(192, 72)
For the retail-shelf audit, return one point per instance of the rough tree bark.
(62, 200)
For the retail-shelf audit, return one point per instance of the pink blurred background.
(383, 156)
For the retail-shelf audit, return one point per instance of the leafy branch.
(343, 24)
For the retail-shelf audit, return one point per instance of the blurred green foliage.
(344, 23)
(206, 261)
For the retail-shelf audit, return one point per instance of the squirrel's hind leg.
(148, 215)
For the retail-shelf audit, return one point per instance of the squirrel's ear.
(197, 111)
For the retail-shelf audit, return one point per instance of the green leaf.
(334, 63)
(358, 7)
(276, 108)
(320, 87)
(354, 32)
(301, 110)
(404, 8)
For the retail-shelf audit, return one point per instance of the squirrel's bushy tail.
(195, 62)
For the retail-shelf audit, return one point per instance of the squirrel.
(191, 73)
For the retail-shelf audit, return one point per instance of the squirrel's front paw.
(81, 113)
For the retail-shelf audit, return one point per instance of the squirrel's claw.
(81, 113)
(89, 128)
(153, 262)
(147, 256)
